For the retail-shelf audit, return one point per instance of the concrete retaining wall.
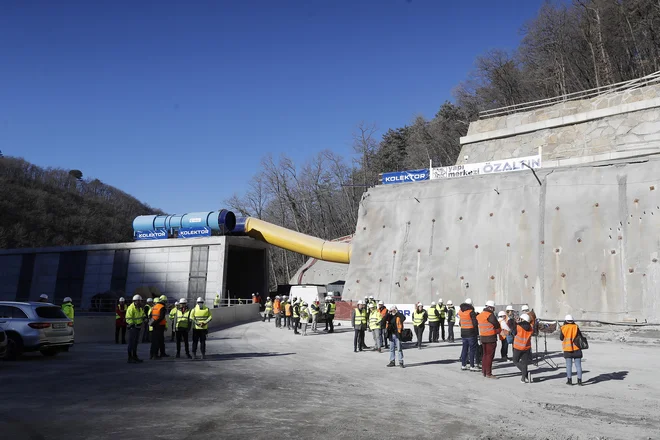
(102, 328)
(586, 242)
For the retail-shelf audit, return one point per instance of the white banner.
(493, 167)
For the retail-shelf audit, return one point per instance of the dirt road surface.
(265, 383)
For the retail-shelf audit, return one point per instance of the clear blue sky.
(175, 102)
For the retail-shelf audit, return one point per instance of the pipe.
(222, 221)
(335, 252)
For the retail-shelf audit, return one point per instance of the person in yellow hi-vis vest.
(173, 319)
(201, 316)
(134, 320)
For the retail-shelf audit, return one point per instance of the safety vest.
(523, 339)
(134, 316)
(269, 306)
(183, 319)
(466, 320)
(296, 311)
(276, 307)
(304, 314)
(451, 314)
(147, 310)
(375, 319)
(120, 311)
(216, 301)
(155, 313)
(332, 309)
(173, 313)
(201, 317)
(570, 333)
(287, 309)
(68, 310)
(418, 318)
(315, 310)
(360, 316)
(432, 316)
(442, 309)
(486, 328)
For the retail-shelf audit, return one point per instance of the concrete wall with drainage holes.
(585, 242)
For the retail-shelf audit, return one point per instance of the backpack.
(407, 335)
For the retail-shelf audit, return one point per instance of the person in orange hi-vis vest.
(522, 345)
(489, 328)
(469, 332)
(277, 308)
(572, 352)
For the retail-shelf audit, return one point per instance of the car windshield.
(50, 313)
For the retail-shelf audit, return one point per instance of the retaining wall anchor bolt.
(542, 241)
(433, 220)
(408, 223)
(508, 245)
(557, 250)
(369, 253)
(523, 211)
(432, 278)
(492, 277)
(419, 250)
(357, 281)
(643, 274)
(613, 252)
(460, 218)
(383, 226)
(563, 275)
(636, 200)
(620, 237)
(405, 279)
(380, 280)
(631, 270)
(491, 214)
(579, 240)
(364, 229)
(447, 248)
(462, 277)
(526, 276)
(476, 246)
(394, 252)
(596, 205)
(602, 274)
(655, 260)
(651, 187)
(557, 208)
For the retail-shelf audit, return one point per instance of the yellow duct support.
(297, 242)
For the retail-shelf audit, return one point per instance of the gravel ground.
(263, 383)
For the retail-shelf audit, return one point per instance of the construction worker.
(442, 310)
(182, 327)
(326, 312)
(277, 309)
(288, 314)
(67, 308)
(285, 300)
(146, 335)
(359, 323)
(134, 319)
(254, 299)
(469, 333)
(330, 319)
(451, 319)
(383, 324)
(173, 319)
(216, 301)
(304, 317)
(120, 321)
(572, 352)
(394, 326)
(419, 319)
(504, 326)
(375, 321)
(511, 323)
(316, 309)
(489, 328)
(371, 301)
(157, 328)
(295, 315)
(43, 298)
(532, 316)
(522, 345)
(201, 316)
(434, 323)
(268, 309)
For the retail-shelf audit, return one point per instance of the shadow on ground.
(230, 356)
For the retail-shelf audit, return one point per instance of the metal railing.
(653, 78)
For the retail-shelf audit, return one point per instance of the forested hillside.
(565, 48)
(55, 207)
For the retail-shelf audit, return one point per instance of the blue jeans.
(395, 345)
(569, 367)
(469, 347)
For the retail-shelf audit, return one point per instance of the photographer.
(522, 345)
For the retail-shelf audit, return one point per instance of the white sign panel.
(493, 167)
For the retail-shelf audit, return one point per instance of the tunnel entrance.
(247, 271)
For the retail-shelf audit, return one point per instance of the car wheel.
(14, 347)
(48, 352)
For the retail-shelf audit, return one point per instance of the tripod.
(543, 357)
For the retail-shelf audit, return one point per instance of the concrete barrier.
(101, 328)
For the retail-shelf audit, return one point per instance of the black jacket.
(474, 331)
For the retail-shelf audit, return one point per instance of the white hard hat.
(254, 294)
(393, 308)
(176, 302)
(148, 299)
(268, 298)
(183, 301)
(568, 318)
(490, 303)
(200, 300)
(277, 297)
(449, 303)
(439, 300)
(524, 308)
(524, 317)
(432, 303)
(67, 299)
(371, 297)
(509, 308)
(380, 303)
(501, 313)
(43, 296)
(419, 304)
(360, 303)
(372, 305)
(121, 300)
(468, 301)
(138, 298)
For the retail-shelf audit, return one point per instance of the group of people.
(151, 316)
(480, 333)
(295, 313)
(67, 305)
